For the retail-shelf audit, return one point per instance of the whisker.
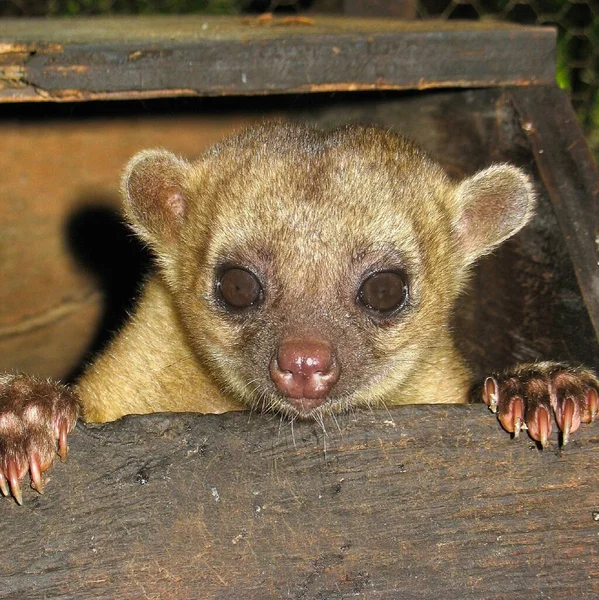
(334, 417)
(293, 432)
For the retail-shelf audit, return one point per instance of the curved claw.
(544, 421)
(539, 427)
(592, 406)
(15, 484)
(568, 413)
(36, 473)
(491, 393)
(4, 485)
(518, 416)
(569, 423)
(63, 432)
(512, 419)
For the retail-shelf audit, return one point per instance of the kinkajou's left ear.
(490, 207)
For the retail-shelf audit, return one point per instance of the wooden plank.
(87, 59)
(421, 502)
(396, 9)
(569, 174)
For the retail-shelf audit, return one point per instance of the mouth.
(305, 405)
(272, 401)
(309, 408)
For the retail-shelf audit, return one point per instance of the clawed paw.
(533, 396)
(35, 420)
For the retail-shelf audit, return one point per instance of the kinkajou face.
(303, 272)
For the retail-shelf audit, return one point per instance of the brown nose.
(305, 369)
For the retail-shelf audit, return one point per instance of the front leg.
(531, 396)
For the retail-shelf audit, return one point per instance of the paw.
(532, 396)
(35, 419)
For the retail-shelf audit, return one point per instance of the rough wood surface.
(137, 57)
(570, 176)
(421, 502)
(397, 9)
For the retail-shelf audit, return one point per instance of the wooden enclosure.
(418, 502)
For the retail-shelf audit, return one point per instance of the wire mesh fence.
(577, 22)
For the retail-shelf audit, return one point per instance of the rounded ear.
(492, 206)
(152, 187)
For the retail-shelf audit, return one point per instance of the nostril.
(305, 368)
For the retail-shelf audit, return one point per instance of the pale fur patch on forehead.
(314, 212)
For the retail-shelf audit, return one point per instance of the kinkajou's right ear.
(152, 187)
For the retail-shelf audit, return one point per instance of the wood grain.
(569, 174)
(84, 59)
(418, 502)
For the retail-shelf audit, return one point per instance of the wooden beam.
(417, 502)
(567, 169)
(103, 58)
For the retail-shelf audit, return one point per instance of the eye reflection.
(239, 288)
(384, 292)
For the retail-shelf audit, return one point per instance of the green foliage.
(562, 75)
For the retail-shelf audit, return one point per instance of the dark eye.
(239, 288)
(384, 292)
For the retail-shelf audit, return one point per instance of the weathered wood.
(569, 174)
(421, 502)
(397, 9)
(137, 57)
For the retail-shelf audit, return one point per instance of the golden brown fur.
(310, 212)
